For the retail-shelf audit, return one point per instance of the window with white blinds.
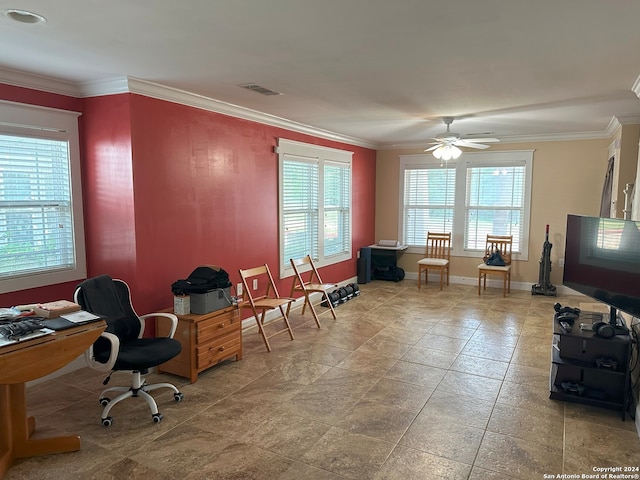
(478, 194)
(40, 240)
(495, 202)
(429, 200)
(315, 204)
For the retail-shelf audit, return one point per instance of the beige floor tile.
(458, 409)
(386, 422)
(349, 454)
(411, 464)
(459, 383)
(528, 424)
(430, 357)
(438, 436)
(483, 367)
(518, 458)
(405, 384)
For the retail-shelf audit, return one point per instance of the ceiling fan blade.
(432, 148)
(483, 140)
(465, 143)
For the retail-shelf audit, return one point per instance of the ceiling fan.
(446, 144)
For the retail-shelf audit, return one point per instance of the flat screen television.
(602, 261)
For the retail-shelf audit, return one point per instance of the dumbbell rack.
(588, 369)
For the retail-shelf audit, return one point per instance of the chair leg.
(260, 323)
(333, 312)
(313, 310)
(479, 281)
(441, 278)
(286, 321)
(419, 276)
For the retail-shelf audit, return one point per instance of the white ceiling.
(382, 72)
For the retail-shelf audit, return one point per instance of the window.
(315, 204)
(478, 194)
(41, 230)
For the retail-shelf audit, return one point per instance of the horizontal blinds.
(495, 203)
(300, 186)
(36, 224)
(337, 208)
(429, 200)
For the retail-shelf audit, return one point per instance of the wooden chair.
(501, 243)
(267, 301)
(436, 257)
(313, 284)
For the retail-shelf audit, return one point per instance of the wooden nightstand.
(206, 340)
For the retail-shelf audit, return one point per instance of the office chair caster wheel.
(104, 401)
(178, 397)
(157, 417)
(107, 421)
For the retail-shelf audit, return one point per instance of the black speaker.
(364, 265)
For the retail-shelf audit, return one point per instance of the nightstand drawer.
(211, 353)
(217, 327)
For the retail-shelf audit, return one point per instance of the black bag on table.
(203, 279)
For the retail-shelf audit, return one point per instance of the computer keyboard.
(20, 328)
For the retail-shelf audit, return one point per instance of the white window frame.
(49, 123)
(292, 150)
(470, 159)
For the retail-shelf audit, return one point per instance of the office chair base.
(141, 391)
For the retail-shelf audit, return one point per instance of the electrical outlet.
(255, 283)
(239, 289)
(561, 262)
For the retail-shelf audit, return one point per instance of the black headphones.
(604, 330)
(568, 317)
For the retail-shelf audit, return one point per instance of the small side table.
(206, 340)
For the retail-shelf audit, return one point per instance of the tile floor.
(405, 384)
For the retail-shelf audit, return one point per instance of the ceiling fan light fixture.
(447, 152)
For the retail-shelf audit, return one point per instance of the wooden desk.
(25, 361)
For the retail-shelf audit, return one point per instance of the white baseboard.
(493, 283)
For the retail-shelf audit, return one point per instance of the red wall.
(168, 187)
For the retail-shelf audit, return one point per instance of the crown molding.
(162, 92)
(636, 87)
(619, 121)
(118, 85)
(38, 82)
(142, 87)
(559, 137)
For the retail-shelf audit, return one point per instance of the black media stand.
(589, 369)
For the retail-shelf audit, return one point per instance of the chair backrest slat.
(502, 243)
(438, 245)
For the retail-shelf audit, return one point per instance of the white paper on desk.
(80, 317)
(388, 243)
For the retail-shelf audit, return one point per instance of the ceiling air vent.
(258, 89)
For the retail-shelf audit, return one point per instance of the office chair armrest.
(170, 316)
(113, 354)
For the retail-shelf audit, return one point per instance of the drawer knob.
(221, 325)
(222, 349)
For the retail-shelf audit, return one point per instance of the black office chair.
(121, 346)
